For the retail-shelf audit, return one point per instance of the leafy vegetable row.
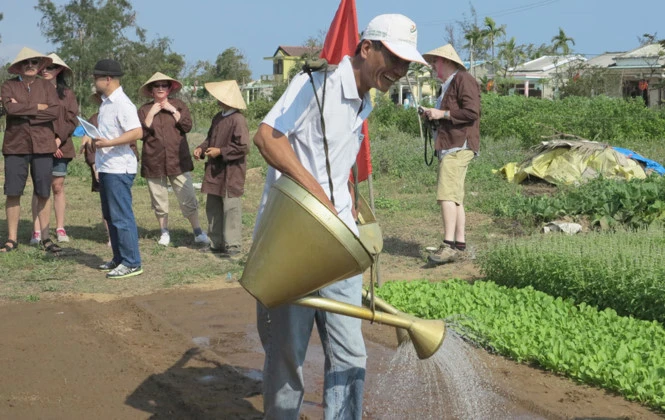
(596, 347)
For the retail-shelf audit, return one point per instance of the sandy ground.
(195, 354)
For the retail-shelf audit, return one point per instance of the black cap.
(108, 67)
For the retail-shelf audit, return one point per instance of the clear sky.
(200, 30)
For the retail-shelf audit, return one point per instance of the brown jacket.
(462, 99)
(226, 173)
(165, 149)
(66, 123)
(28, 130)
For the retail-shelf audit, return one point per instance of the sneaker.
(108, 266)
(232, 252)
(122, 271)
(165, 239)
(443, 255)
(36, 238)
(202, 239)
(62, 235)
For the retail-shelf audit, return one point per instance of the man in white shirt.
(290, 138)
(118, 122)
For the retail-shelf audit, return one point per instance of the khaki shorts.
(452, 172)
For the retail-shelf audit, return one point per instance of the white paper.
(90, 129)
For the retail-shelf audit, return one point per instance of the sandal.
(50, 247)
(7, 248)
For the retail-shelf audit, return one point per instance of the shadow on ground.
(186, 390)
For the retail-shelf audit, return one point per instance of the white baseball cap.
(398, 33)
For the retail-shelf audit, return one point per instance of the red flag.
(341, 40)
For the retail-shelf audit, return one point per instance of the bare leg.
(44, 214)
(35, 215)
(163, 222)
(449, 215)
(58, 187)
(13, 211)
(460, 225)
(194, 221)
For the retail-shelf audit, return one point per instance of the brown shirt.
(225, 174)
(29, 130)
(462, 99)
(66, 123)
(165, 149)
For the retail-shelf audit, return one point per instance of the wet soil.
(194, 354)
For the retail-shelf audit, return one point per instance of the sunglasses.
(51, 68)
(161, 85)
(32, 61)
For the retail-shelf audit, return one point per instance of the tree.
(85, 31)
(474, 37)
(1, 16)
(532, 51)
(231, 65)
(561, 41)
(510, 55)
(492, 32)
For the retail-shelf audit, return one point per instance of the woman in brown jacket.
(64, 126)
(29, 143)
(165, 156)
(226, 148)
(457, 143)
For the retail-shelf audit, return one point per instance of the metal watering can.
(301, 246)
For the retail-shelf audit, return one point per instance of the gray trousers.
(224, 221)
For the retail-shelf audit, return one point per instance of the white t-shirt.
(117, 115)
(297, 116)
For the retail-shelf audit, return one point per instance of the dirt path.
(194, 354)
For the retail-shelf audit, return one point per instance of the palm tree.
(474, 36)
(510, 54)
(561, 42)
(492, 32)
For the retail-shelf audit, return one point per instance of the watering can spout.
(426, 335)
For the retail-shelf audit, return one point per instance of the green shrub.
(606, 203)
(611, 120)
(624, 271)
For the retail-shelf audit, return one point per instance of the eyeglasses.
(161, 85)
(32, 61)
(51, 68)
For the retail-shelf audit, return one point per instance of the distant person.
(292, 141)
(116, 165)
(457, 143)
(57, 73)
(165, 158)
(226, 148)
(406, 103)
(29, 143)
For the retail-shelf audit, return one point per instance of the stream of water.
(452, 384)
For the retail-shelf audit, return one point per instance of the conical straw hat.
(146, 89)
(448, 52)
(58, 61)
(25, 54)
(227, 92)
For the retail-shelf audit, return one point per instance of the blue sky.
(200, 30)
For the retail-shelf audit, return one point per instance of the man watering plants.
(319, 156)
